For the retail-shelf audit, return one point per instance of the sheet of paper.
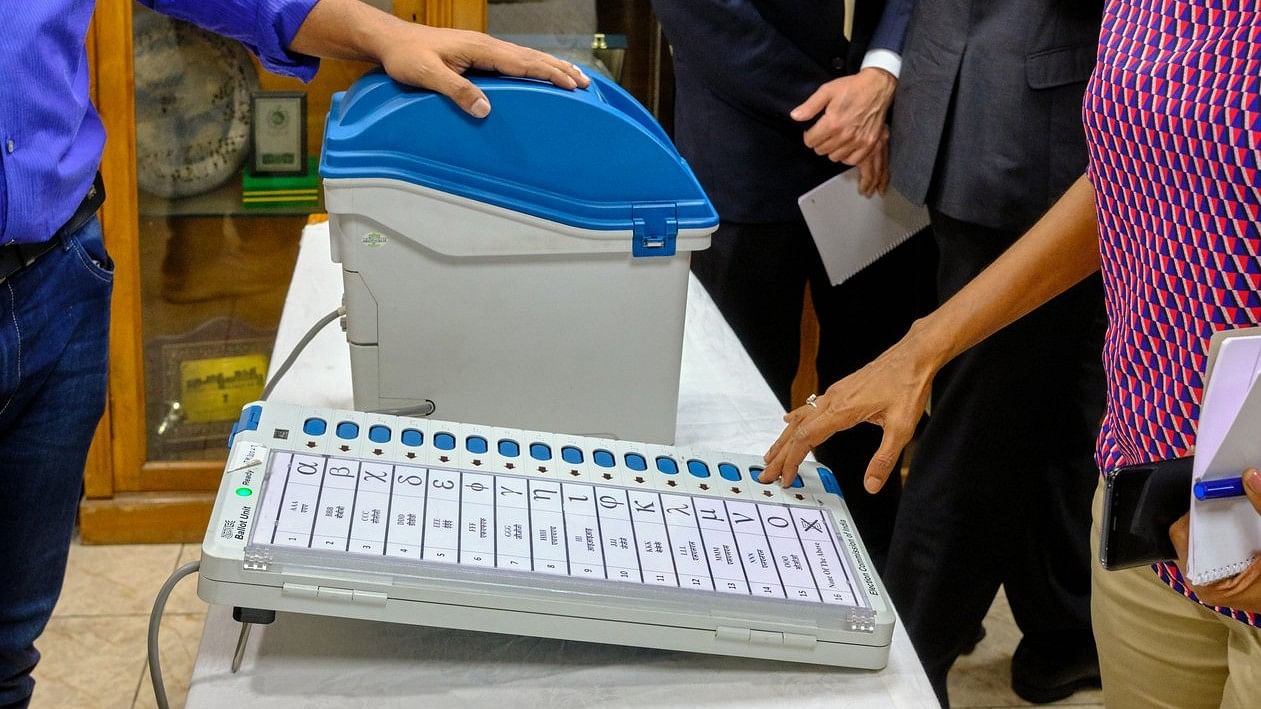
(852, 231)
(1226, 533)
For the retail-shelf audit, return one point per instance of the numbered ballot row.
(574, 528)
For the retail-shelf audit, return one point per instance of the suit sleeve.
(266, 27)
(740, 56)
(890, 32)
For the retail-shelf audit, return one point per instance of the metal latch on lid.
(656, 229)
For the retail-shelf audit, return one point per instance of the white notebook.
(852, 231)
(1226, 533)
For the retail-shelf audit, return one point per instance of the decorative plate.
(193, 93)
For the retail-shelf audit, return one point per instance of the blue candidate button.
(828, 478)
(698, 468)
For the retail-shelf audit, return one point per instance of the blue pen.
(1217, 489)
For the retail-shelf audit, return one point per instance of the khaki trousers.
(1159, 649)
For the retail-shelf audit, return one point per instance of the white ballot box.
(529, 269)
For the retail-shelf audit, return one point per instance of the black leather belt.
(15, 257)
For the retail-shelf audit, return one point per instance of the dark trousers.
(1000, 486)
(756, 274)
(54, 328)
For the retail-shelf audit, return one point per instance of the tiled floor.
(94, 648)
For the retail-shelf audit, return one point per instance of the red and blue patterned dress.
(1173, 121)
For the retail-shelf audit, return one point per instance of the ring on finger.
(810, 401)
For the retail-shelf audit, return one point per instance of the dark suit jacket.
(740, 67)
(987, 123)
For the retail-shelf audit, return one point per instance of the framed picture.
(278, 133)
(196, 383)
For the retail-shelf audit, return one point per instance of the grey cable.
(155, 621)
(297, 350)
(425, 409)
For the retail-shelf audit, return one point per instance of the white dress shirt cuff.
(885, 59)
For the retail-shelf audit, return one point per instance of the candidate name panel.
(599, 532)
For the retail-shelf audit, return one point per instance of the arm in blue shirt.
(266, 27)
(51, 137)
(287, 35)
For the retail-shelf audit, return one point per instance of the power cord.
(155, 622)
(297, 350)
(424, 409)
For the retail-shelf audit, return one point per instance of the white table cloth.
(312, 662)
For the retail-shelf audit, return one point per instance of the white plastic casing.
(238, 571)
(506, 318)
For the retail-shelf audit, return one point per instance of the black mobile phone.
(1140, 503)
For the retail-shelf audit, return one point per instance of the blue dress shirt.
(50, 135)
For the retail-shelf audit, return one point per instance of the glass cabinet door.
(205, 239)
(217, 242)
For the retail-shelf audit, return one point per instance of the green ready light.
(244, 492)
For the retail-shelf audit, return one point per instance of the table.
(313, 662)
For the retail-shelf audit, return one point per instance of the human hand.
(873, 173)
(434, 58)
(853, 110)
(1242, 591)
(890, 392)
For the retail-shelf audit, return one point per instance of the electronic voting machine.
(461, 526)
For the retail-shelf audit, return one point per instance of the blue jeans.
(54, 327)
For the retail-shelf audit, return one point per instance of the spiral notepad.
(1226, 533)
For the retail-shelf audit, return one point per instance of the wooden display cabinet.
(135, 490)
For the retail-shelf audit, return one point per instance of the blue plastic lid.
(582, 158)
